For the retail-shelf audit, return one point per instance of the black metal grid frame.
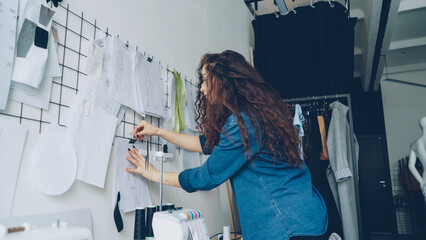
(74, 32)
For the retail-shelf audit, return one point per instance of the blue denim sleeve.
(206, 150)
(226, 159)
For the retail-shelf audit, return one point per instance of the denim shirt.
(275, 199)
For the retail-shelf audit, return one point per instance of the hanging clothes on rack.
(313, 148)
(340, 171)
(342, 220)
(299, 121)
(322, 128)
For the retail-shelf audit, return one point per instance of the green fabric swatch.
(179, 117)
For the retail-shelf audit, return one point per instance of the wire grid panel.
(402, 208)
(403, 221)
(396, 184)
(74, 33)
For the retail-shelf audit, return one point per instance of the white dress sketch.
(133, 188)
(94, 60)
(104, 83)
(148, 86)
(191, 93)
(122, 88)
(149, 93)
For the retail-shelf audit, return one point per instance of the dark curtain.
(309, 53)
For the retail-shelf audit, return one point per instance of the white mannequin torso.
(418, 150)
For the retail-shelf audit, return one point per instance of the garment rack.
(354, 162)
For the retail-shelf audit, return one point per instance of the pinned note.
(95, 56)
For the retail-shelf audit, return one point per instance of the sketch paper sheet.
(122, 88)
(92, 131)
(189, 111)
(133, 188)
(148, 85)
(8, 20)
(170, 93)
(10, 161)
(53, 163)
(170, 76)
(167, 122)
(102, 86)
(120, 114)
(93, 93)
(95, 55)
(39, 97)
(31, 46)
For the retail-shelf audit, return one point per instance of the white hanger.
(347, 8)
(276, 15)
(294, 4)
(275, 12)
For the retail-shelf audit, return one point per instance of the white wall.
(177, 33)
(403, 105)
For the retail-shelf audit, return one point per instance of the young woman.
(249, 132)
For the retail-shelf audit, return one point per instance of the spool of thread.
(140, 228)
(163, 209)
(226, 233)
(169, 206)
(150, 210)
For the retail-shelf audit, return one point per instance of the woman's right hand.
(145, 128)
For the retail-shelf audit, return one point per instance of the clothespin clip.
(55, 2)
(133, 140)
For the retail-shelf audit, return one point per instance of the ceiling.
(390, 36)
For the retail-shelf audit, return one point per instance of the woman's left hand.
(149, 172)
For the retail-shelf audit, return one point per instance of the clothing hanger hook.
(312, 6)
(294, 7)
(276, 15)
(347, 8)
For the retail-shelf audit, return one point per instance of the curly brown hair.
(234, 86)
